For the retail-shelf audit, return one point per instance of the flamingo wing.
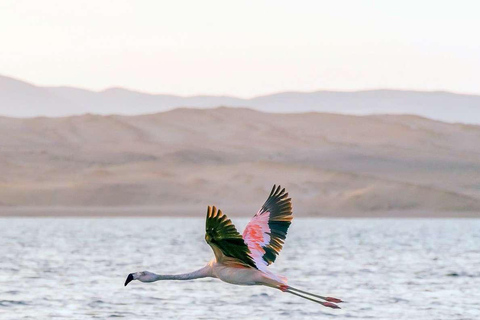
(266, 232)
(226, 242)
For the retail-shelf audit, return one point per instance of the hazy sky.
(243, 48)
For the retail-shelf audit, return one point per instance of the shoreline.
(193, 212)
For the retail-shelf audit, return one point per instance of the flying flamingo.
(243, 260)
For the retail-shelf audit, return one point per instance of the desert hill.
(182, 160)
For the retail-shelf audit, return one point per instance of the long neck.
(200, 273)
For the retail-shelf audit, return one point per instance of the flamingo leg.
(329, 299)
(325, 304)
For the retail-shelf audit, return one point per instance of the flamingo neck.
(200, 273)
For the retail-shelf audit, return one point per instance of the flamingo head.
(143, 276)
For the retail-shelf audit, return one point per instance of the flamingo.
(243, 259)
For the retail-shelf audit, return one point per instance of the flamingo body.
(243, 275)
(237, 275)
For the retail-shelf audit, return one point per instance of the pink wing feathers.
(266, 232)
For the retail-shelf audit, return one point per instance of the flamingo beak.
(129, 278)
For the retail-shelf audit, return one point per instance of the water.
(385, 269)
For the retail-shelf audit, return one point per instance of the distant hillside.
(21, 99)
(186, 159)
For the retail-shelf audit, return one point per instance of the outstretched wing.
(225, 240)
(266, 232)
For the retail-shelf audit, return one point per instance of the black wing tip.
(212, 212)
(279, 195)
(278, 191)
(273, 190)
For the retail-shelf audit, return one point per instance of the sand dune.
(182, 160)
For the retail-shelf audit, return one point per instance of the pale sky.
(242, 48)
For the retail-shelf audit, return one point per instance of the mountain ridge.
(22, 99)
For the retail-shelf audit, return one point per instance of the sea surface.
(74, 268)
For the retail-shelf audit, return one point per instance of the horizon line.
(359, 90)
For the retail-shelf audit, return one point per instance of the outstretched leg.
(329, 299)
(303, 294)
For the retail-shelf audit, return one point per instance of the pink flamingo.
(243, 260)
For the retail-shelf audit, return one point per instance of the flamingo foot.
(330, 305)
(331, 299)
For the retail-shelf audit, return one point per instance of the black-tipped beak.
(129, 278)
